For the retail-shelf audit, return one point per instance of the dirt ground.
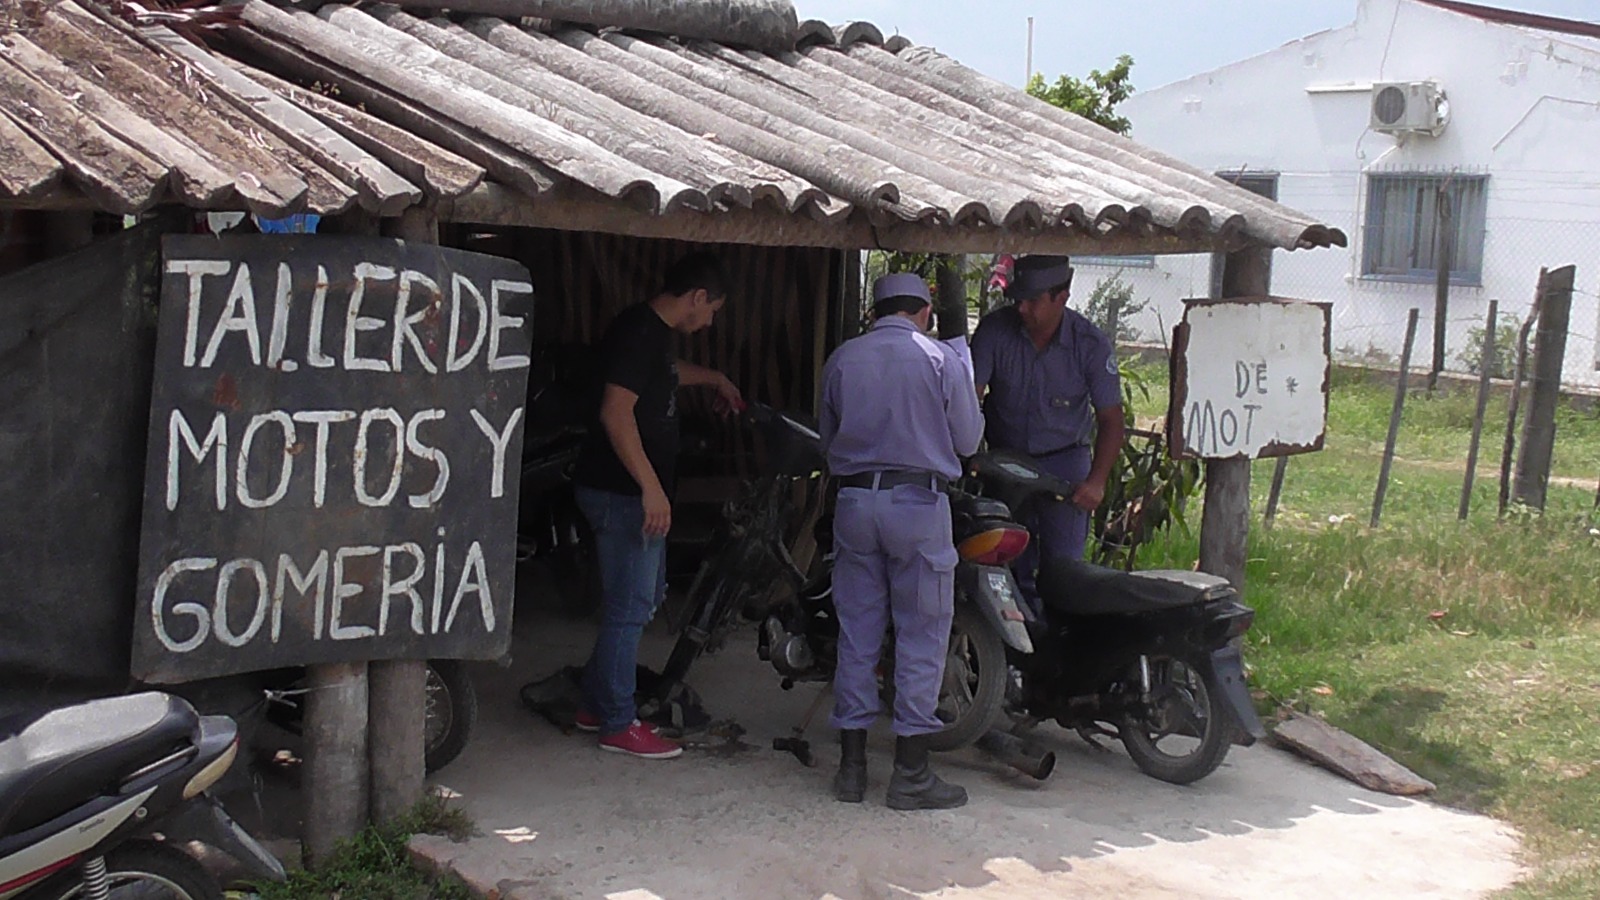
(561, 819)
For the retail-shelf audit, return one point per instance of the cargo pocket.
(936, 585)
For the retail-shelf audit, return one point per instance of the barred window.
(1402, 229)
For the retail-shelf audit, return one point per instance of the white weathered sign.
(1250, 378)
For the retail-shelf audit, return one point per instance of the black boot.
(914, 786)
(851, 783)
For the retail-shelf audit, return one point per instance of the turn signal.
(994, 547)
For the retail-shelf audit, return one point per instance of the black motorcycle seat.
(70, 755)
(1078, 588)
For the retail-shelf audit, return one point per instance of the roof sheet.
(381, 108)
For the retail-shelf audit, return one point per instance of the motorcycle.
(97, 798)
(751, 575)
(1154, 654)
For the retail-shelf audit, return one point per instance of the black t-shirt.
(637, 353)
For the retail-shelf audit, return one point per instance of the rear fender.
(1227, 668)
(994, 592)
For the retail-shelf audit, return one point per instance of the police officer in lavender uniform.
(1049, 381)
(899, 409)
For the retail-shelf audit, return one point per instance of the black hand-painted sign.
(335, 427)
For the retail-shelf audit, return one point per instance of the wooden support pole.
(398, 689)
(1510, 444)
(1394, 418)
(1487, 360)
(951, 302)
(1225, 522)
(1278, 472)
(1444, 244)
(337, 786)
(336, 756)
(1550, 351)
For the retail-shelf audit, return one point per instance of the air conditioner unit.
(1409, 107)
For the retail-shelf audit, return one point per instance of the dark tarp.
(77, 337)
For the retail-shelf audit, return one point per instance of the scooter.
(1153, 654)
(97, 798)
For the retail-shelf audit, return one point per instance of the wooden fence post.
(398, 689)
(1549, 353)
(1225, 522)
(1445, 243)
(1487, 361)
(1394, 418)
(1278, 472)
(1509, 447)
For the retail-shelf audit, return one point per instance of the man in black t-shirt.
(624, 478)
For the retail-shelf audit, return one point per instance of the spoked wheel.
(146, 870)
(452, 711)
(974, 687)
(1182, 734)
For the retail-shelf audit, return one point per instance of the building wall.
(1525, 112)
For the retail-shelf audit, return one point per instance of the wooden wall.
(770, 338)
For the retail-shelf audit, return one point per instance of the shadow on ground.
(561, 819)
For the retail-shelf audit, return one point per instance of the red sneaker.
(640, 740)
(588, 721)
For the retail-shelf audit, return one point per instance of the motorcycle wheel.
(974, 689)
(1184, 733)
(452, 711)
(146, 870)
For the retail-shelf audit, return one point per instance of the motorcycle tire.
(979, 646)
(1215, 730)
(452, 713)
(149, 869)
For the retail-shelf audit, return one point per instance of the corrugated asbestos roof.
(373, 106)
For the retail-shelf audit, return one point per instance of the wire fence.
(1369, 311)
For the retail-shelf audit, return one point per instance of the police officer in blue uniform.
(1049, 381)
(899, 409)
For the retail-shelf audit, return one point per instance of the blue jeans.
(633, 570)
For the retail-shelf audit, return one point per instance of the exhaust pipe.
(1010, 749)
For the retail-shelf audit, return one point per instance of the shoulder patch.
(1111, 365)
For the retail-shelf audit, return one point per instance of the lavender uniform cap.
(1033, 275)
(903, 284)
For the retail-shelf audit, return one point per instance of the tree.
(1096, 98)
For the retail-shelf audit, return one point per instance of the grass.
(374, 865)
(1468, 651)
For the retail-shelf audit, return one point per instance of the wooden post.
(398, 688)
(1394, 418)
(1486, 363)
(951, 302)
(1278, 472)
(1550, 351)
(336, 756)
(337, 768)
(1444, 245)
(1225, 522)
(1516, 393)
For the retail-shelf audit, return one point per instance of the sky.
(1169, 40)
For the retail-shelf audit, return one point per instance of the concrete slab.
(561, 819)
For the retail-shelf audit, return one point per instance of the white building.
(1512, 138)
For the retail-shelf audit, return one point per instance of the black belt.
(873, 481)
(1078, 446)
